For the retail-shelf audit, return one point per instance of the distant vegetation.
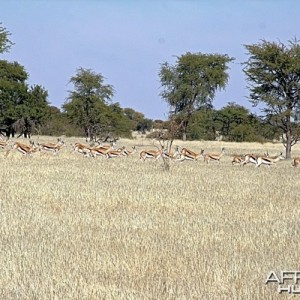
(189, 87)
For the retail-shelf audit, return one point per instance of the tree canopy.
(273, 74)
(192, 82)
(21, 107)
(5, 42)
(88, 105)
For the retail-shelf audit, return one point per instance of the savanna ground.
(82, 228)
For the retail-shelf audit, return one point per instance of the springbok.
(115, 153)
(249, 158)
(186, 154)
(296, 162)
(215, 157)
(170, 154)
(25, 149)
(238, 159)
(5, 143)
(51, 147)
(262, 160)
(127, 152)
(151, 154)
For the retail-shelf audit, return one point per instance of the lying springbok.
(263, 160)
(214, 157)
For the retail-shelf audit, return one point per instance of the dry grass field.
(81, 228)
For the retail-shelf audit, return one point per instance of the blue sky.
(126, 41)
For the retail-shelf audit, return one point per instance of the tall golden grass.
(82, 228)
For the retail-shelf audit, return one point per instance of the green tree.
(13, 92)
(234, 120)
(59, 124)
(273, 73)
(138, 120)
(33, 112)
(21, 108)
(87, 105)
(118, 121)
(135, 117)
(5, 42)
(192, 82)
(203, 125)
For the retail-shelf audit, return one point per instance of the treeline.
(233, 123)
(117, 121)
(25, 110)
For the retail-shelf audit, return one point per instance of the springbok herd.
(111, 151)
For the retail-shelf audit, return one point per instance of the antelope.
(296, 162)
(98, 143)
(268, 160)
(55, 148)
(190, 155)
(127, 152)
(25, 149)
(99, 151)
(107, 147)
(169, 154)
(249, 158)
(115, 153)
(151, 154)
(83, 149)
(4, 144)
(238, 159)
(215, 157)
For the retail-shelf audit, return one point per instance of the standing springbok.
(262, 160)
(215, 157)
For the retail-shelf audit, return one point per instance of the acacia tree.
(5, 42)
(21, 107)
(34, 112)
(192, 82)
(87, 104)
(273, 73)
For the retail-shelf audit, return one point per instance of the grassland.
(82, 228)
